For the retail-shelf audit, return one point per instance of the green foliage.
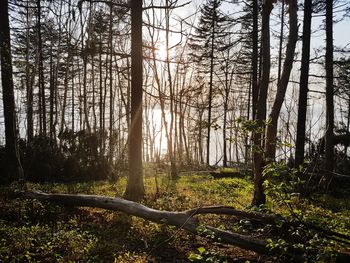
(41, 243)
(281, 184)
(96, 235)
(202, 255)
(76, 157)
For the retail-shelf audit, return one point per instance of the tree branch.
(183, 220)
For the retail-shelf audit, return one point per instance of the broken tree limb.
(229, 210)
(266, 218)
(183, 220)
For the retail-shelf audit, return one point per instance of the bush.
(75, 157)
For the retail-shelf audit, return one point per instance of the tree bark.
(329, 145)
(183, 220)
(258, 135)
(42, 101)
(271, 133)
(280, 44)
(303, 88)
(210, 95)
(29, 83)
(255, 54)
(12, 155)
(111, 93)
(135, 187)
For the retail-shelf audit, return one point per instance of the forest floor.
(33, 231)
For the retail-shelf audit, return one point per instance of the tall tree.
(329, 145)
(303, 87)
(343, 88)
(12, 155)
(271, 130)
(42, 100)
(212, 30)
(258, 135)
(255, 52)
(135, 187)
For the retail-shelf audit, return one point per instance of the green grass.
(33, 231)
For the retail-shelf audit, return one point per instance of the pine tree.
(209, 38)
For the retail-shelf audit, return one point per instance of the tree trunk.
(29, 84)
(255, 35)
(85, 57)
(42, 101)
(12, 155)
(329, 145)
(303, 89)
(258, 135)
(52, 98)
(66, 75)
(210, 95)
(135, 187)
(171, 134)
(271, 134)
(111, 96)
(101, 104)
(183, 220)
(280, 45)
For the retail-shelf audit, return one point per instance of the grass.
(33, 231)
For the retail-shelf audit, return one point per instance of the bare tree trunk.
(101, 104)
(329, 138)
(255, 34)
(210, 95)
(42, 102)
(85, 56)
(280, 45)
(304, 80)
(271, 134)
(52, 98)
(171, 140)
(135, 187)
(66, 74)
(73, 104)
(15, 170)
(111, 96)
(94, 127)
(183, 220)
(29, 84)
(258, 135)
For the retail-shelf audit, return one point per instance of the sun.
(161, 52)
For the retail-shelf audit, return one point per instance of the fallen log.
(266, 218)
(183, 220)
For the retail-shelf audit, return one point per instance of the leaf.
(194, 257)
(201, 250)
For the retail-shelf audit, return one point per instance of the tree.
(255, 36)
(303, 87)
(135, 188)
(212, 30)
(12, 155)
(258, 135)
(271, 130)
(42, 100)
(329, 146)
(343, 90)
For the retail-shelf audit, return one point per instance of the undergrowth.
(33, 231)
